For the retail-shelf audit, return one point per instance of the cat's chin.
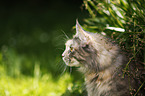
(72, 63)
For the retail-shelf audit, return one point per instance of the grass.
(37, 84)
(43, 85)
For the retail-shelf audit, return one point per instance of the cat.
(101, 62)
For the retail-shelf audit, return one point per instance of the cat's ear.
(80, 32)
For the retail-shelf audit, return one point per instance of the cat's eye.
(71, 49)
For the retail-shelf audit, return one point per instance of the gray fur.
(101, 62)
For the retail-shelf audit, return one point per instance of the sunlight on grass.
(32, 86)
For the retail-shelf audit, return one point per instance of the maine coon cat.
(101, 61)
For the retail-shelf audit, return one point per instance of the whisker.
(61, 39)
(65, 34)
(63, 70)
(70, 70)
(59, 65)
(64, 39)
(60, 48)
(59, 36)
(60, 42)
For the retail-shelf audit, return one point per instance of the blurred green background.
(34, 29)
(32, 37)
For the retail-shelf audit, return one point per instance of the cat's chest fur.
(106, 83)
(97, 84)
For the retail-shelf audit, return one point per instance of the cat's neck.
(107, 73)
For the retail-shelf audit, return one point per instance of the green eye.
(71, 49)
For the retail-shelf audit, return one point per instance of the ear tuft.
(79, 28)
(80, 32)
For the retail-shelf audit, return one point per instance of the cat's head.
(89, 50)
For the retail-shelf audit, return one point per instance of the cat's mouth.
(71, 62)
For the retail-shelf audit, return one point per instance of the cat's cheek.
(74, 62)
(66, 61)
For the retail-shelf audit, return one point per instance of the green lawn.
(33, 86)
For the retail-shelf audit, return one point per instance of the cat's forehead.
(69, 42)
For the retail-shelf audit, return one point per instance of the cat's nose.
(62, 55)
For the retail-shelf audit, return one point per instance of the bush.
(123, 21)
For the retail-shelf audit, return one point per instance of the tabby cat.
(101, 61)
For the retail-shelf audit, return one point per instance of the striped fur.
(100, 61)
